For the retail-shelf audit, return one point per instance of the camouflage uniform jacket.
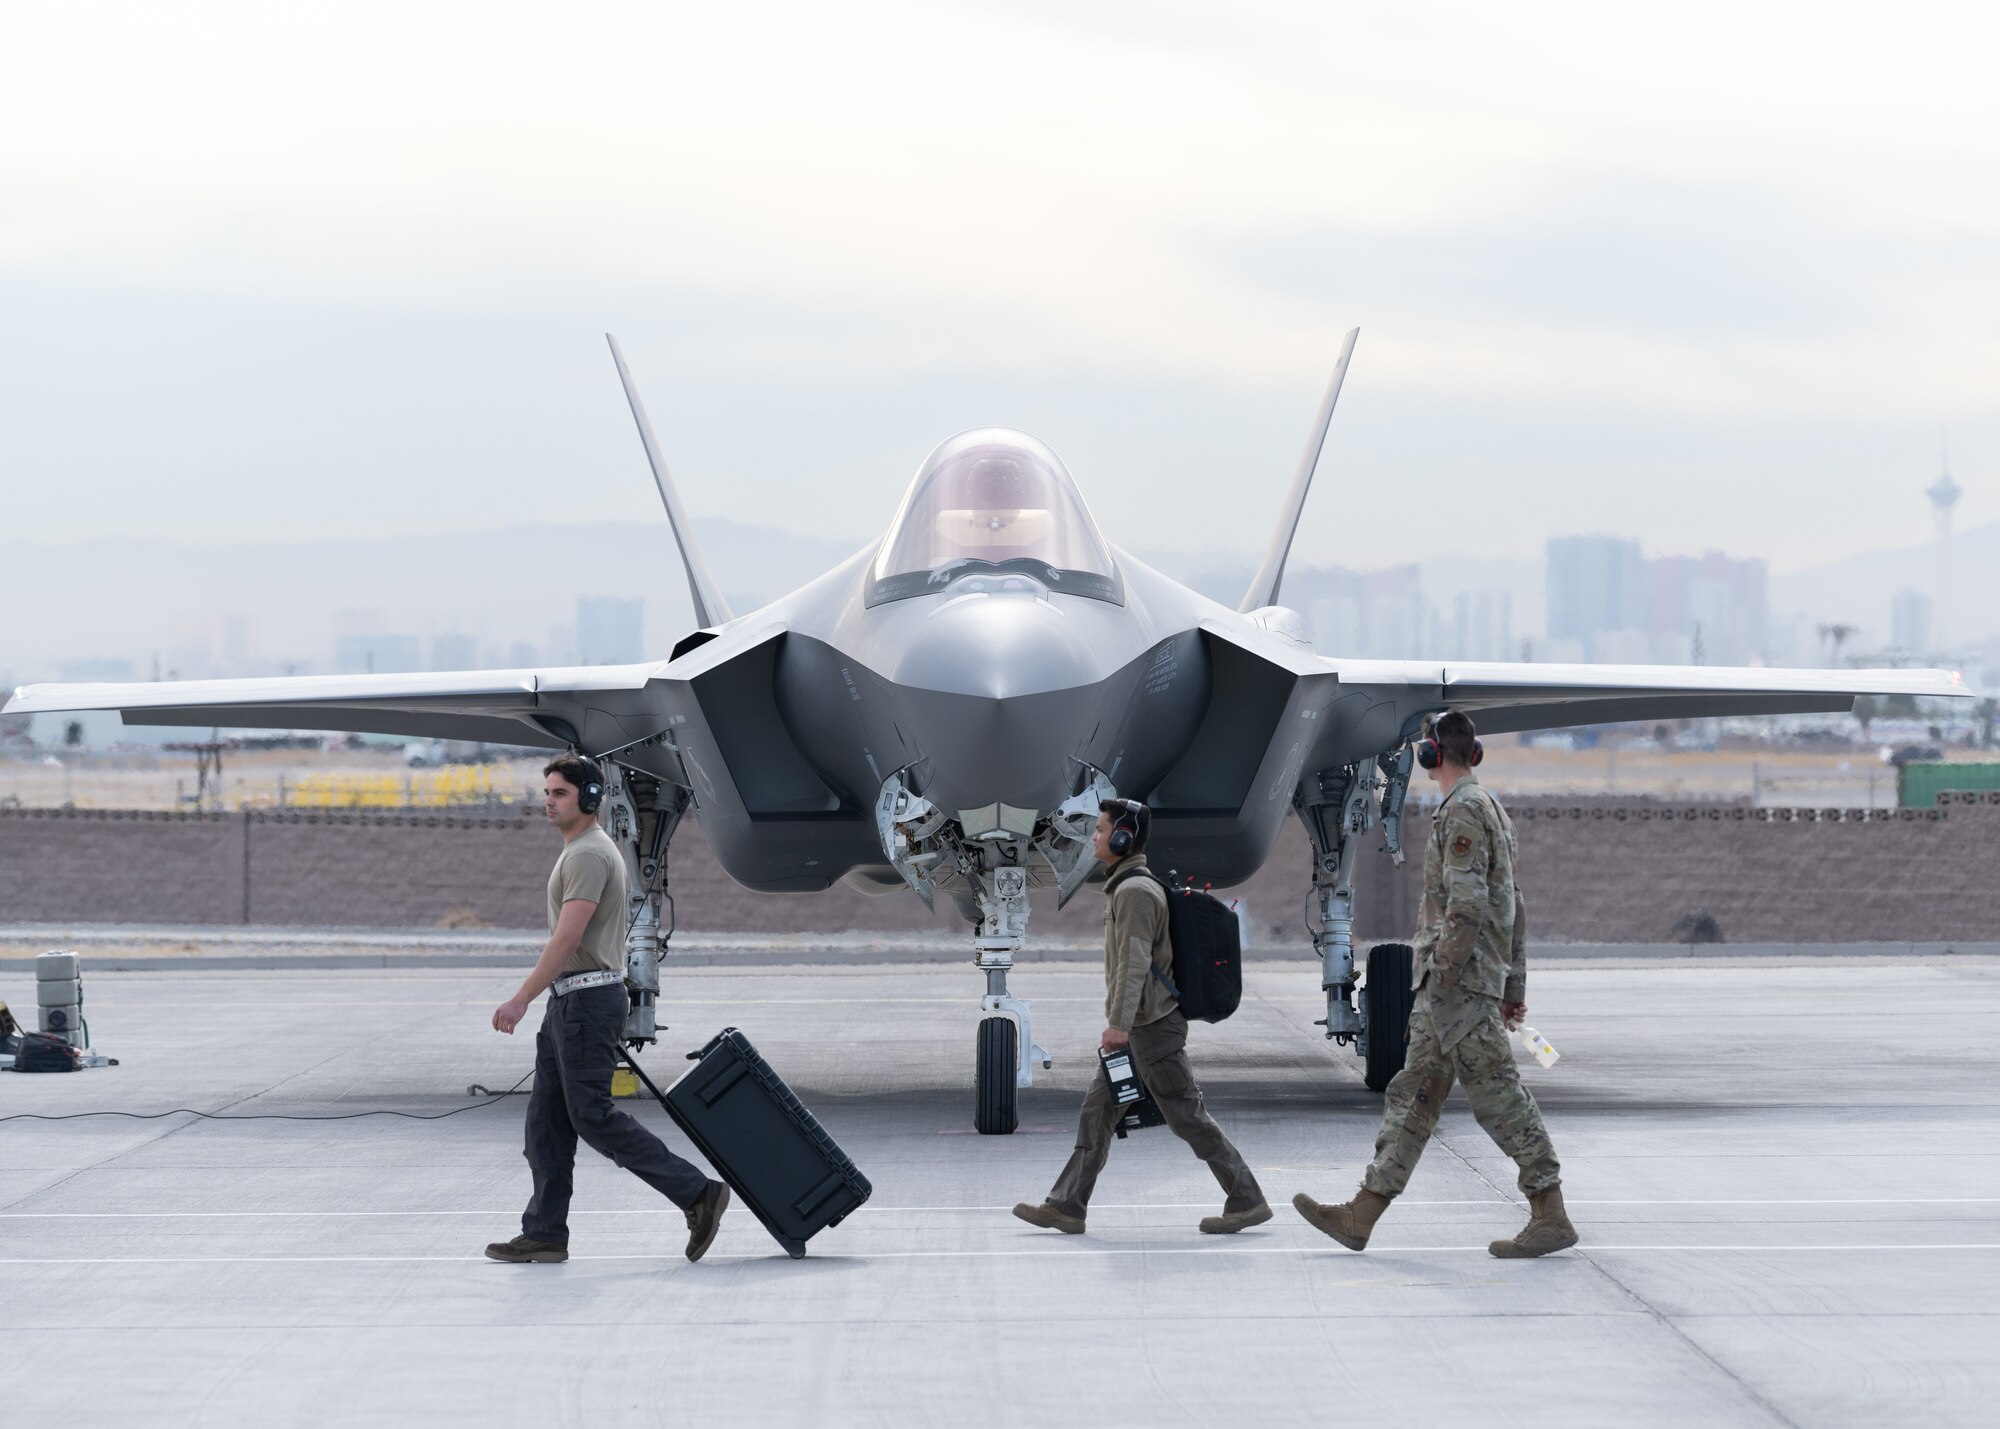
(1474, 922)
(1135, 943)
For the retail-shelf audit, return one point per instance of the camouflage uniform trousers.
(1159, 1052)
(1459, 1036)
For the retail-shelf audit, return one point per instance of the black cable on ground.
(267, 1115)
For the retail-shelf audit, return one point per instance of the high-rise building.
(205, 645)
(1596, 585)
(1722, 599)
(1943, 495)
(1365, 615)
(382, 654)
(92, 667)
(1610, 603)
(1910, 621)
(454, 652)
(610, 630)
(1482, 626)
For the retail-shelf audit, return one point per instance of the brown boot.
(1350, 1224)
(1548, 1229)
(1230, 1222)
(1049, 1218)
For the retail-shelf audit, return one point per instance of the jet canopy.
(988, 500)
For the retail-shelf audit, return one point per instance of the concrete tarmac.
(1787, 1180)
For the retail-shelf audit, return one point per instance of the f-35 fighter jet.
(945, 710)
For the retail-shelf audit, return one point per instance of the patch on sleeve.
(1461, 846)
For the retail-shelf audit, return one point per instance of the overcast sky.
(1713, 275)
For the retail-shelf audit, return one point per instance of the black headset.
(590, 797)
(1124, 828)
(1430, 755)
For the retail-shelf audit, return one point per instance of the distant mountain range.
(1857, 589)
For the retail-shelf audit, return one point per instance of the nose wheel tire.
(999, 1062)
(1390, 999)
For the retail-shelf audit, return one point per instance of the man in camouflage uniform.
(1471, 982)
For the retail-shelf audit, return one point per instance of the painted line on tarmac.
(992, 1210)
(474, 999)
(1378, 1251)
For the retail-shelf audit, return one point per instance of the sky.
(1713, 275)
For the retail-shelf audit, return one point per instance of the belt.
(577, 982)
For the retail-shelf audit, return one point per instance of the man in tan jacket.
(1142, 1015)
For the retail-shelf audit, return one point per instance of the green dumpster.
(1919, 784)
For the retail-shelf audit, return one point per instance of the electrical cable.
(269, 1115)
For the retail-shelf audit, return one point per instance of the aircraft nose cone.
(997, 648)
(1000, 695)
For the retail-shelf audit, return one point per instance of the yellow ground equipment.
(454, 786)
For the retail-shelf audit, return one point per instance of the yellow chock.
(623, 1083)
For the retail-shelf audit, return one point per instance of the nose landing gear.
(1007, 1050)
(988, 875)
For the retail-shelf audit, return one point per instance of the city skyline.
(1646, 612)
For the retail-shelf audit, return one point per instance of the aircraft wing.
(597, 706)
(1506, 697)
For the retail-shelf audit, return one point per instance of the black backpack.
(42, 1052)
(1207, 944)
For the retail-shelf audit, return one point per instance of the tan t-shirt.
(590, 868)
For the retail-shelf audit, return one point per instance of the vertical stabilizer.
(709, 606)
(1264, 585)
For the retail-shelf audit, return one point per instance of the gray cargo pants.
(1159, 1051)
(575, 1054)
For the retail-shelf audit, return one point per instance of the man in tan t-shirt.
(583, 969)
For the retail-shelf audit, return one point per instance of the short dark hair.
(1134, 815)
(574, 768)
(1455, 737)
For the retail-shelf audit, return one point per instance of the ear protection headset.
(1430, 754)
(590, 798)
(1124, 829)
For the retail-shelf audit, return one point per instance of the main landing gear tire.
(1390, 999)
(999, 1061)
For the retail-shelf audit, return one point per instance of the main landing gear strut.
(1371, 1012)
(642, 812)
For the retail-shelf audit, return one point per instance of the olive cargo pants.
(1159, 1052)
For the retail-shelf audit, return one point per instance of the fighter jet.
(943, 712)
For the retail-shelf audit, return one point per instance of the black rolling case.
(761, 1140)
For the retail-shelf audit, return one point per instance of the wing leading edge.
(546, 708)
(1511, 697)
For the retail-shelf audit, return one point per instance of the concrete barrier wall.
(1629, 872)
(1606, 872)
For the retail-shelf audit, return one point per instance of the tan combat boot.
(1350, 1224)
(1548, 1229)
(1049, 1218)
(1230, 1222)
